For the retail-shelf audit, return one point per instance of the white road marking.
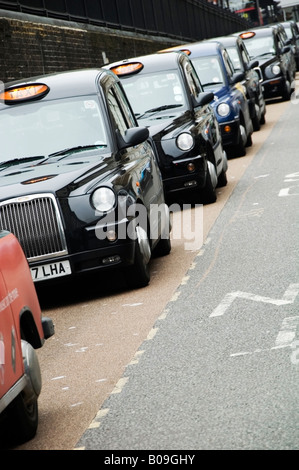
(286, 192)
(95, 423)
(120, 385)
(287, 332)
(136, 357)
(133, 305)
(175, 296)
(288, 298)
(185, 280)
(151, 334)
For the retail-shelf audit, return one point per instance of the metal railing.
(185, 19)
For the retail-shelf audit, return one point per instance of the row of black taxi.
(89, 157)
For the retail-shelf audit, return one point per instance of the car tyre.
(256, 123)
(21, 420)
(249, 141)
(263, 119)
(222, 179)
(163, 247)
(208, 193)
(287, 91)
(138, 275)
(240, 149)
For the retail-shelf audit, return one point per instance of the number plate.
(51, 270)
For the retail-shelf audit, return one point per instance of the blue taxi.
(217, 74)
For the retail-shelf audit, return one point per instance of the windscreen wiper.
(16, 161)
(262, 55)
(156, 110)
(78, 148)
(212, 83)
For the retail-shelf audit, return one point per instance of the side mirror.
(253, 64)
(203, 98)
(238, 77)
(285, 49)
(133, 136)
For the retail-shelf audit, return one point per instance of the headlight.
(223, 109)
(185, 141)
(276, 69)
(103, 199)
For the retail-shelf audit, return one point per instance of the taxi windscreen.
(260, 46)
(209, 71)
(154, 93)
(43, 128)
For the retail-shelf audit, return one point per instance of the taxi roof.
(260, 30)
(204, 48)
(63, 84)
(153, 62)
(227, 40)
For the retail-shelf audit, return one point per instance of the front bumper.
(273, 87)
(230, 133)
(93, 252)
(177, 176)
(118, 254)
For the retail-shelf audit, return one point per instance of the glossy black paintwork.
(131, 172)
(168, 124)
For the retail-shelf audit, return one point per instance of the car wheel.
(208, 193)
(222, 179)
(255, 120)
(240, 150)
(20, 421)
(249, 141)
(138, 275)
(286, 95)
(163, 247)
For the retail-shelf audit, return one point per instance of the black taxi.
(252, 81)
(80, 186)
(270, 47)
(167, 97)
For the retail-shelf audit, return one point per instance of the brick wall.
(31, 46)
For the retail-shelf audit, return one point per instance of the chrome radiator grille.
(36, 222)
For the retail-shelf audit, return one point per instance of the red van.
(22, 330)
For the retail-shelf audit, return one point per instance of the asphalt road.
(154, 368)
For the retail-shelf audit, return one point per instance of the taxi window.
(245, 54)
(209, 71)
(233, 53)
(147, 92)
(280, 41)
(117, 111)
(45, 127)
(125, 105)
(259, 46)
(228, 64)
(192, 79)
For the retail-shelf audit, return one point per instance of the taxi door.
(11, 362)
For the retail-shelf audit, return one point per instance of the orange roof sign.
(247, 35)
(128, 68)
(24, 93)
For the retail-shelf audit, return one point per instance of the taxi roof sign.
(247, 35)
(23, 93)
(175, 49)
(127, 68)
(187, 51)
